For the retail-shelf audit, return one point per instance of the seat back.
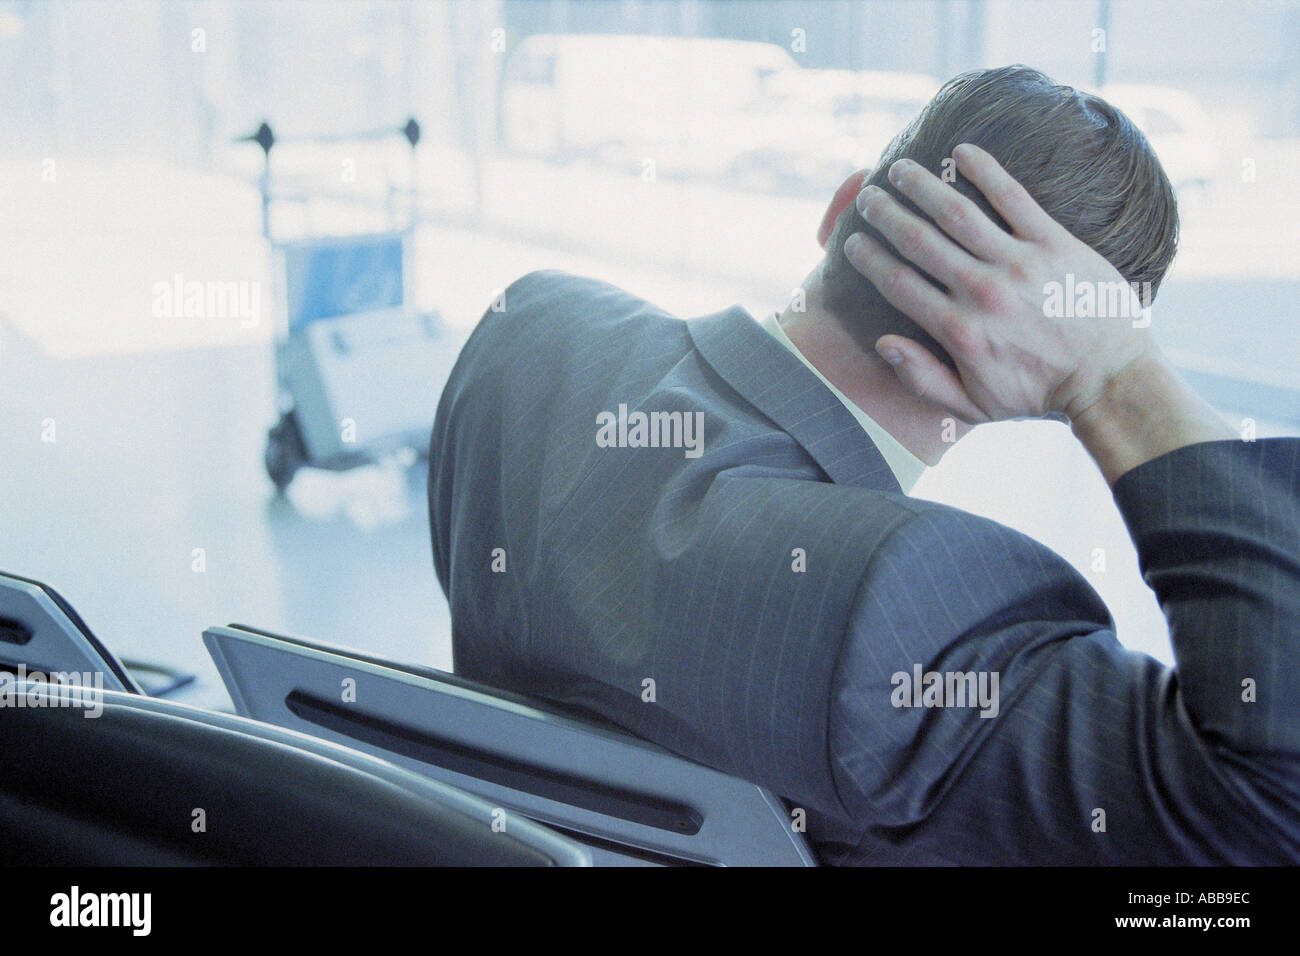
(629, 801)
(150, 782)
(41, 633)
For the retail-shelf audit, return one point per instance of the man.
(738, 575)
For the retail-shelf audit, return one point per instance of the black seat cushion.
(123, 788)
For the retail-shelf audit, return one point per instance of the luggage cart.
(358, 368)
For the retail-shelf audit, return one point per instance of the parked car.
(692, 104)
(824, 124)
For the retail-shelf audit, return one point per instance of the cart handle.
(265, 138)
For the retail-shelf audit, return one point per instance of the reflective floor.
(149, 512)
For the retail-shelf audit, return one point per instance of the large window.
(684, 150)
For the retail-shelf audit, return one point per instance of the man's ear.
(847, 192)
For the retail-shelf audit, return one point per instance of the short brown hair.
(1083, 161)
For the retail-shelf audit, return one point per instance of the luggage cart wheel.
(285, 451)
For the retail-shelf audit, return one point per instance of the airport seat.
(41, 632)
(629, 801)
(152, 782)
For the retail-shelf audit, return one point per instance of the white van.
(690, 103)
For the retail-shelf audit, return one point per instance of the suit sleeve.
(1095, 754)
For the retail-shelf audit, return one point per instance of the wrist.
(1129, 387)
(1142, 411)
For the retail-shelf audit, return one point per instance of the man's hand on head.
(1014, 358)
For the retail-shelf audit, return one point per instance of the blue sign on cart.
(336, 277)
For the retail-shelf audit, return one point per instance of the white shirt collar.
(907, 468)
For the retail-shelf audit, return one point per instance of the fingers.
(952, 212)
(901, 285)
(1005, 194)
(926, 377)
(915, 239)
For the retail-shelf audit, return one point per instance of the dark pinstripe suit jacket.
(632, 564)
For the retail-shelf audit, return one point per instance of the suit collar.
(786, 391)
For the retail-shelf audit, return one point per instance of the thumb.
(926, 377)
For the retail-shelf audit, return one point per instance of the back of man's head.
(1083, 161)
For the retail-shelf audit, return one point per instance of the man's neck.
(867, 381)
